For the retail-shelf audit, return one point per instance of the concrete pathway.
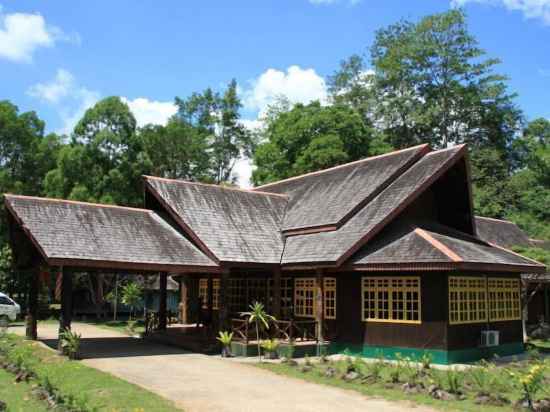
(201, 383)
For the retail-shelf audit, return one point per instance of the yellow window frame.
(504, 296)
(329, 292)
(467, 299)
(304, 297)
(384, 297)
(203, 292)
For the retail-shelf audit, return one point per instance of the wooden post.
(319, 304)
(163, 283)
(210, 298)
(277, 293)
(65, 317)
(32, 307)
(184, 300)
(223, 302)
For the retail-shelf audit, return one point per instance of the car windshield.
(5, 301)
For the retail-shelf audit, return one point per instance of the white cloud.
(150, 111)
(531, 9)
(55, 90)
(297, 85)
(544, 72)
(21, 34)
(70, 99)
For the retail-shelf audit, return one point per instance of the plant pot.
(226, 352)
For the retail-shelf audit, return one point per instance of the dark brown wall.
(431, 333)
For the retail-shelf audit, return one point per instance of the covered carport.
(73, 237)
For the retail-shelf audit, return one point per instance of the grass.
(95, 390)
(17, 396)
(498, 382)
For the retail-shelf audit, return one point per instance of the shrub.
(454, 380)
(70, 343)
(426, 360)
(531, 381)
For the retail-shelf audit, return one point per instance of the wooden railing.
(285, 330)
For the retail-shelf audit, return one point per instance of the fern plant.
(70, 343)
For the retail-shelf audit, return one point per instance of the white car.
(8, 308)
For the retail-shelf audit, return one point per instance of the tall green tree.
(176, 151)
(104, 160)
(216, 118)
(430, 82)
(26, 153)
(311, 137)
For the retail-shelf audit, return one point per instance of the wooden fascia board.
(443, 266)
(395, 212)
(184, 226)
(438, 245)
(134, 266)
(470, 192)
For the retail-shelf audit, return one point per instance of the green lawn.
(542, 344)
(497, 379)
(17, 396)
(87, 387)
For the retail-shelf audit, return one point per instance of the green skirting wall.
(438, 355)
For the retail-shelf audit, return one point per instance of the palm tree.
(258, 315)
(131, 296)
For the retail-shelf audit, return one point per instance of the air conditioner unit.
(489, 338)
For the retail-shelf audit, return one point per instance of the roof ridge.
(495, 219)
(75, 202)
(317, 172)
(238, 189)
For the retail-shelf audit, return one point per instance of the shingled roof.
(438, 247)
(341, 190)
(86, 234)
(336, 246)
(501, 232)
(233, 225)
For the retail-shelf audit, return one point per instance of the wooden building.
(378, 256)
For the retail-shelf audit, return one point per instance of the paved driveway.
(200, 383)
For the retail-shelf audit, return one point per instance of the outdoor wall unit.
(490, 338)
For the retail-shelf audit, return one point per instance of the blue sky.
(59, 57)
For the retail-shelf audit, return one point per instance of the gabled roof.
(233, 225)
(501, 232)
(438, 247)
(337, 246)
(341, 190)
(85, 234)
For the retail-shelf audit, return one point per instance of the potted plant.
(270, 348)
(70, 343)
(225, 339)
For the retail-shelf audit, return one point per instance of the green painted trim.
(439, 356)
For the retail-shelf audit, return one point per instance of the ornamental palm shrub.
(225, 339)
(259, 317)
(70, 342)
(270, 347)
(131, 296)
